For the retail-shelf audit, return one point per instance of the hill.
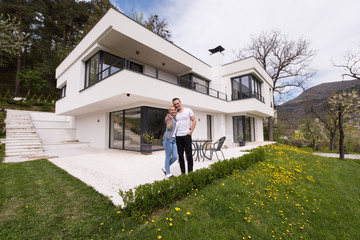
(293, 111)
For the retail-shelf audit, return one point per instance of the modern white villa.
(120, 79)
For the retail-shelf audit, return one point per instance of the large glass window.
(246, 87)
(126, 127)
(103, 65)
(209, 126)
(244, 125)
(92, 70)
(194, 82)
(155, 123)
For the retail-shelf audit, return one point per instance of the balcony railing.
(154, 72)
(251, 95)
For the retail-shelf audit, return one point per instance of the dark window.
(63, 91)
(246, 87)
(101, 66)
(92, 70)
(209, 127)
(194, 82)
(136, 67)
(126, 127)
(244, 125)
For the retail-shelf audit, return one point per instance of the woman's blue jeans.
(171, 153)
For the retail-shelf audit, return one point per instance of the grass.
(291, 195)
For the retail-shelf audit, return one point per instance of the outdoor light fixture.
(137, 52)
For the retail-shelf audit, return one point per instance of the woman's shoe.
(168, 176)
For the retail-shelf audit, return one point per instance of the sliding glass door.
(126, 127)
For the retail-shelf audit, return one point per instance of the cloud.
(198, 25)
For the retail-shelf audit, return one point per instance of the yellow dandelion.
(27, 206)
(101, 224)
(159, 229)
(118, 212)
(170, 224)
(152, 221)
(159, 237)
(177, 209)
(170, 219)
(188, 213)
(122, 230)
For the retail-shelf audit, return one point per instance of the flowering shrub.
(146, 198)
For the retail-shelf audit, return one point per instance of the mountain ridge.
(291, 112)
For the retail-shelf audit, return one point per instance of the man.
(186, 121)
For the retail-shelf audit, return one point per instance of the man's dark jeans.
(185, 143)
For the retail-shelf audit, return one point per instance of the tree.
(33, 81)
(97, 9)
(286, 61)
(313, 131)
(153, 23)
(350, 65)
(330, 121)
(158, 26)
(345, 105)
(8, 39)
(21, 10)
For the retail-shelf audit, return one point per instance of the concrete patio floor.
(108, 170)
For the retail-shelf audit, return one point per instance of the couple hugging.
(180, 124)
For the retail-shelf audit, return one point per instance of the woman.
(169, 141)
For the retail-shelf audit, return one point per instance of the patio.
(108, 170)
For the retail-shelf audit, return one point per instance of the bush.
(146, 198)
(42, 98)
(35, 97)
(28, 97)
(2, 152)
(49, 99)
(7, 95)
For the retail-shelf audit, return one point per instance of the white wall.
(93, 128)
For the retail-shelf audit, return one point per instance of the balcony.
(151, 71)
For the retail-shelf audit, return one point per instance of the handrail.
(161, 75)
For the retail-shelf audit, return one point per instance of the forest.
(36, 35)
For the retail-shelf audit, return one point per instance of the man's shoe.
(163, 170)
(168, 176)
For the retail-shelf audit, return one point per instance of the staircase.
(21, 136)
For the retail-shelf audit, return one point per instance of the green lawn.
(291, 195)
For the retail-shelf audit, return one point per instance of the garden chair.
(215, 147)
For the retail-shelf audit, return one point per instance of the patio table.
(198, 148)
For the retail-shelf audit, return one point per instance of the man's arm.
(193, 124)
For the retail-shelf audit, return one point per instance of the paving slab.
(337, 155)
(108, 170)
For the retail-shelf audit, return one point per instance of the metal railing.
(252, 95)
(154, 72)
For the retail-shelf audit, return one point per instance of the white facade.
(163, 66)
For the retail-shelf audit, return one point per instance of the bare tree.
(286, 61)
(330, 122)
(350, 65)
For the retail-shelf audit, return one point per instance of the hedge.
(146, 198)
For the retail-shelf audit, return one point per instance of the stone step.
(66, 145)
(25, 125)
(23, 130)
(9, 154)
(23, 143)
(22, 147)
(23, 138)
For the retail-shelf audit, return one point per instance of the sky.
(332, 26)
